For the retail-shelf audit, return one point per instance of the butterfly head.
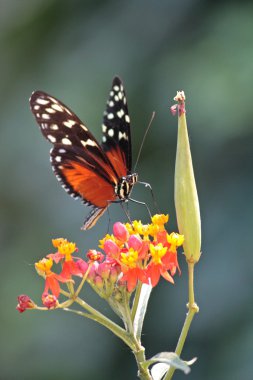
(125, 185)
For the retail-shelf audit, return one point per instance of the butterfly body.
(97, 173)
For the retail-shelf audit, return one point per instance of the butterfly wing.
(116, 140)
(77, 159)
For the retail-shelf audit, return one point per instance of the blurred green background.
(72, 50)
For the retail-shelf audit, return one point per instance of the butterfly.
(97, 173)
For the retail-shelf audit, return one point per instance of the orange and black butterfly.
(96, 173)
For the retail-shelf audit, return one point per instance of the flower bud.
(135, 242)
(24, 303)
(94, 255)
(82, 265)
(49, 300)
(186, 197)
(120, 231)
(114, 275)
(104, 270)
(98, 282)
(111, 248)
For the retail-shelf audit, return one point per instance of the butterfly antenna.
(144, 137)
(145, 183)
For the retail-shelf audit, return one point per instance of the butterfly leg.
(147, 185)
(122, 204)
(141, 203)
(126, 210)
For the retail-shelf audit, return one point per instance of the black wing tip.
(37, 94)
(117, 80)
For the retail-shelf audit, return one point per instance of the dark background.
(72, 49)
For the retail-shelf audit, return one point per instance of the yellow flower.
(175, 240)
(57, 242)
(129, 258)
(157, 252)
(43, 267)
(66, 249)
(160, 219)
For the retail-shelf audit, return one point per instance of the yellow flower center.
(57, 242)
(157, 252)
(66, 249)
(160, 219)
(44, 266)
(175, 240)
(129, 258)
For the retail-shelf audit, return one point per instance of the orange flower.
(43, 268)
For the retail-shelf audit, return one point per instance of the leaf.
(141, 309)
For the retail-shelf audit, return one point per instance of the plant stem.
(103, 320)
(143, 371)
(193, 309)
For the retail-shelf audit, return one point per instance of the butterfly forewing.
(116, 140)
(85, 168)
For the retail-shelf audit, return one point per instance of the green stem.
(103, 320)
(128, 317)
(143, 372)
(193, 309)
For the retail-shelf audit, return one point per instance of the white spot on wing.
(120, 113)
(42, 101)
(58, 158)
(88, 142)
(50, 110)
(111, 132)
(83, 127)
(66, 141)
(120, 95)
(127, 118)
(122, 136)
(54, 127)
(53, 99)
(36, 107)
(104, 139)
(57, 107)
(104, 128)
(110, 116)
(111, 103)
(62, 150)
(45, 116)
(116, 98)
(51, 138)
(111, 93)
(68, 111)
(69, 123)
(116, 88)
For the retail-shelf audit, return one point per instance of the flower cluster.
(144, 252)
(133, 253)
